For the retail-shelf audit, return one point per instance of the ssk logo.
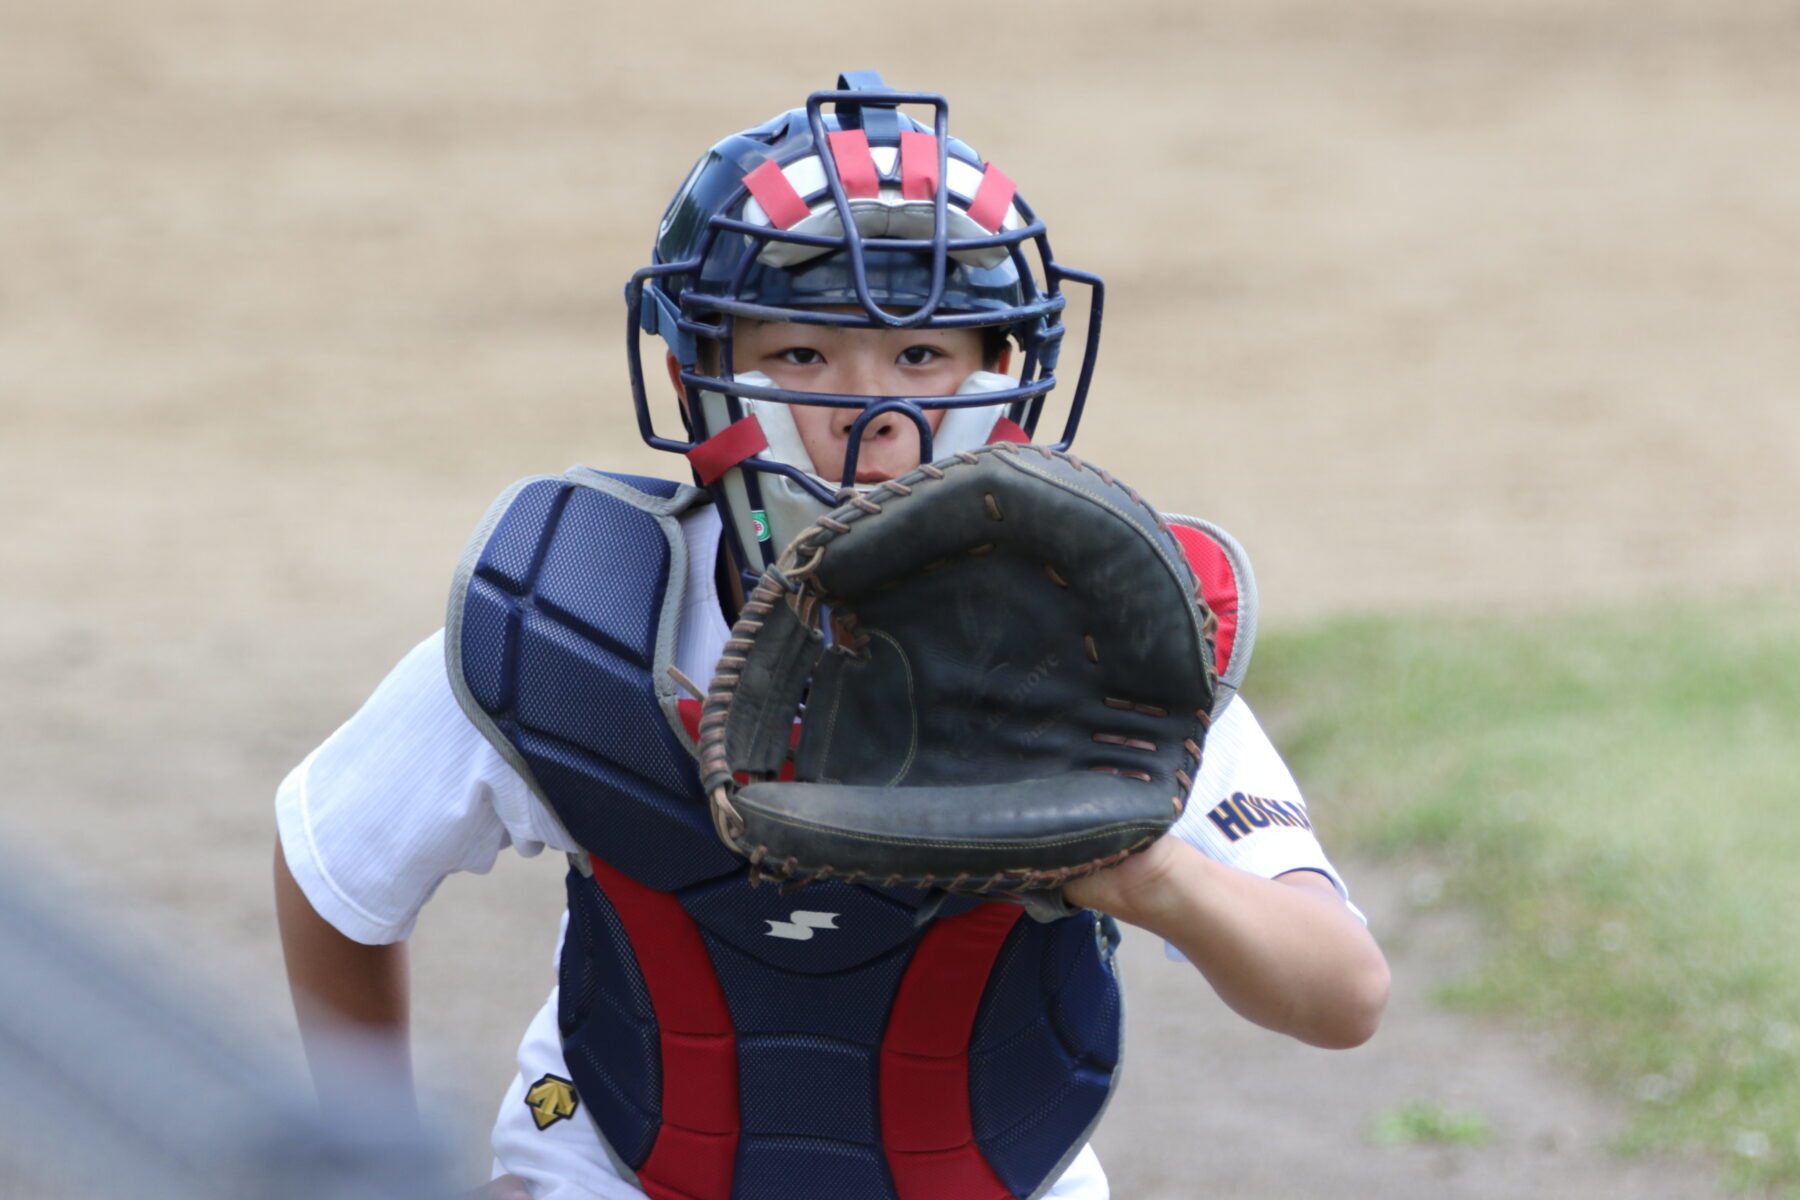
(800, 928)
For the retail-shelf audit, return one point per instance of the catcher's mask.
(860, 217)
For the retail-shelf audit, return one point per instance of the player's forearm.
(1286, 954)
(353, 1002)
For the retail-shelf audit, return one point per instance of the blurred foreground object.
(110, 1087)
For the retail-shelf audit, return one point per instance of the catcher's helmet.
(859, 217)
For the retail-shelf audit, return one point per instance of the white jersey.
(408, 791)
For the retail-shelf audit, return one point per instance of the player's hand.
(507, 1187)
(1132, 890)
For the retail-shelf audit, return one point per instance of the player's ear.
(996, 350)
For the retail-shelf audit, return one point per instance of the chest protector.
(730, 1042)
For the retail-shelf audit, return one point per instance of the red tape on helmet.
(776, 195)
(855, 164)
(992, 199)
(918, 165)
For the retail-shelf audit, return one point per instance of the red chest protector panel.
(1229, 588)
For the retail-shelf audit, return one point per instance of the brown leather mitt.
(1004, 673)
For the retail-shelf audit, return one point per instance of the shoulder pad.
(1229, 589)
(593, 565)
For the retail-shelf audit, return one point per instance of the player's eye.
(920, 356)
(800, 356)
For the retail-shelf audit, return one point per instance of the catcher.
(860, 746)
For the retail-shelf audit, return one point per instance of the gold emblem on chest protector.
(551, 1099)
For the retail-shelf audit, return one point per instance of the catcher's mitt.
(1017, 685)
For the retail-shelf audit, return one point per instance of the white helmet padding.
(788, 508)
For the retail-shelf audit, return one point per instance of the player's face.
(863, 362)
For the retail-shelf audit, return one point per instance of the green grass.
(1426, 1124)
(1618, 793)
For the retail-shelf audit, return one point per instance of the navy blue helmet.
(859, 216)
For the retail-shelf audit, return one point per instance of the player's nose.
(889, 446)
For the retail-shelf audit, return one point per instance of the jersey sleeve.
(403, 794)
(1246, 810)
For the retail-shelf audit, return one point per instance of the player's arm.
(353, 1004)
(1286, 953)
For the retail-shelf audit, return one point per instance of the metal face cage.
(712, 266)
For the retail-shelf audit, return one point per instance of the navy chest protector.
(730, 1042)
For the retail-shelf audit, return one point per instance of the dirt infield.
(1483, 305)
